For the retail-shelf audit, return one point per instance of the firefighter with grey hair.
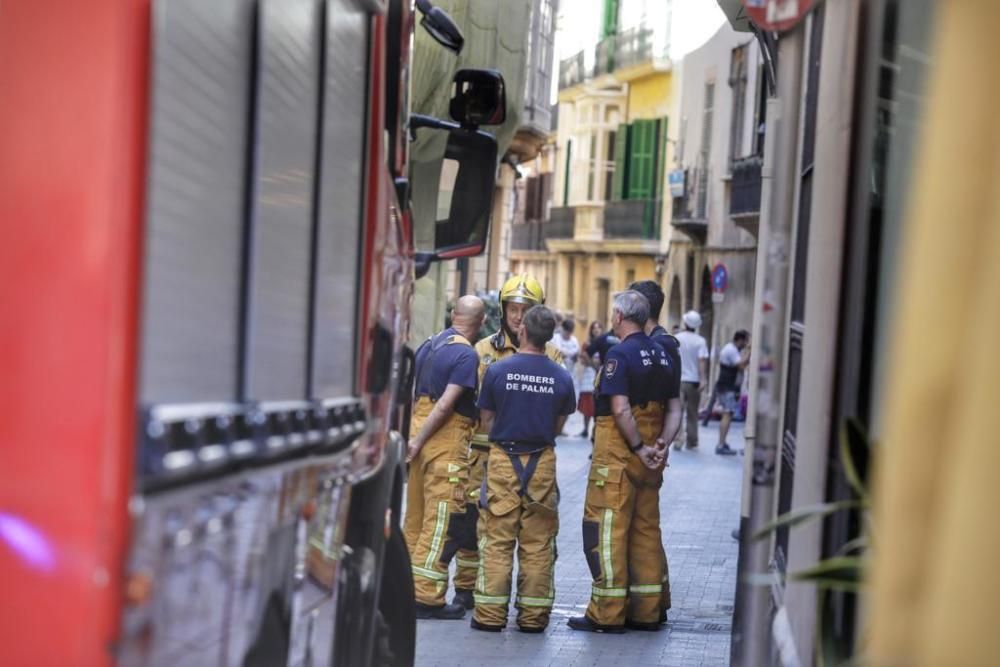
(621, 516)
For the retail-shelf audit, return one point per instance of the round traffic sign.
(777, 15)
(720, 278)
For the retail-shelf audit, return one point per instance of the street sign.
(720, 278)
(777, 15)
(676, 180)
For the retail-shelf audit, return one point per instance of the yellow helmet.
(522, 289)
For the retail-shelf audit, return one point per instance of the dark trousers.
(691, 397)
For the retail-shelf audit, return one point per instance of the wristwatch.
(637, 447)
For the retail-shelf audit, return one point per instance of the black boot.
(446, 612)
(531, 630)
(584, 624)
(645, 627)
(464, 597)
(483, 627)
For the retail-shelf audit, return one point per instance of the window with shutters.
(592, 168)
(738, 82)
(706, 149)
(609, 164)
(619, 189)
(642, 158)
(609, 25)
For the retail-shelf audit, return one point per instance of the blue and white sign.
(676, 179)
(720, 278)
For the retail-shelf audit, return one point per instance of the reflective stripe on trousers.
(467, 560)
(621, 526)
(529, 523)
(435, 502)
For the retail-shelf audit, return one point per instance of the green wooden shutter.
(661, 175)
(569, 161)
(610, 24)
(619, 189)
(642, 150)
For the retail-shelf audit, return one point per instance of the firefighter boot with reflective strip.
(467, 558)
(436, 507)
(621, 531)
(529, 522)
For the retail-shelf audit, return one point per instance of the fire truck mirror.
(440, 26)
(478, 97)
(465, 194)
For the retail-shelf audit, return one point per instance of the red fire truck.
(207, 265)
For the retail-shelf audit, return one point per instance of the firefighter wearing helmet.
(518, 294)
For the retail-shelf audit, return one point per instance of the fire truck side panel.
(73, 131)
(341, 200)
(202, 79)
(280, 246)
(258, 378)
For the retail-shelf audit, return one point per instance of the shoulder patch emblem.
(611, 367)
(488, 359)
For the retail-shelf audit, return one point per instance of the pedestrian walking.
(694, 373)
(585, 403)
(567, 344)
(734, 357)
(517, 295)
(444, 413)
(621, 517)
(654, 295)
(523, 402)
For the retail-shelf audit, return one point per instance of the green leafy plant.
(845, 571)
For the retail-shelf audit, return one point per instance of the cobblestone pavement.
(700, 505)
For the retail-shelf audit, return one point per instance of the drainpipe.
(752, 646)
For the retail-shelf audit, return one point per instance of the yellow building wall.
(650, 96)
(582, 298)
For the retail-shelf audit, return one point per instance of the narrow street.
(700, 505)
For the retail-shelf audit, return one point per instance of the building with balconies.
(521, 162)
(715, 184)
(609, 219)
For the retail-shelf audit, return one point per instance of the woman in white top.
(586, 402)
(568, 345)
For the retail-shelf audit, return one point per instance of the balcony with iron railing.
(572, 71)
(631, 219)
(561, 223)
(638, 45)
(634, 46)
(528, 236)
(605, 55)
(690, 204)
(745, 189)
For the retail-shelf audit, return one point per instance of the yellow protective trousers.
(467, 558)
(621, 526)
(435, 523)
(528, 522)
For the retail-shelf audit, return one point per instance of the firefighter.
(444, 414)
(621, 516)
(654, 295)
(523, 403)
(518, 294)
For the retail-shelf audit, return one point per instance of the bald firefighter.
(621, 516)
(444, 414)
(523, 402)
(517, 295)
